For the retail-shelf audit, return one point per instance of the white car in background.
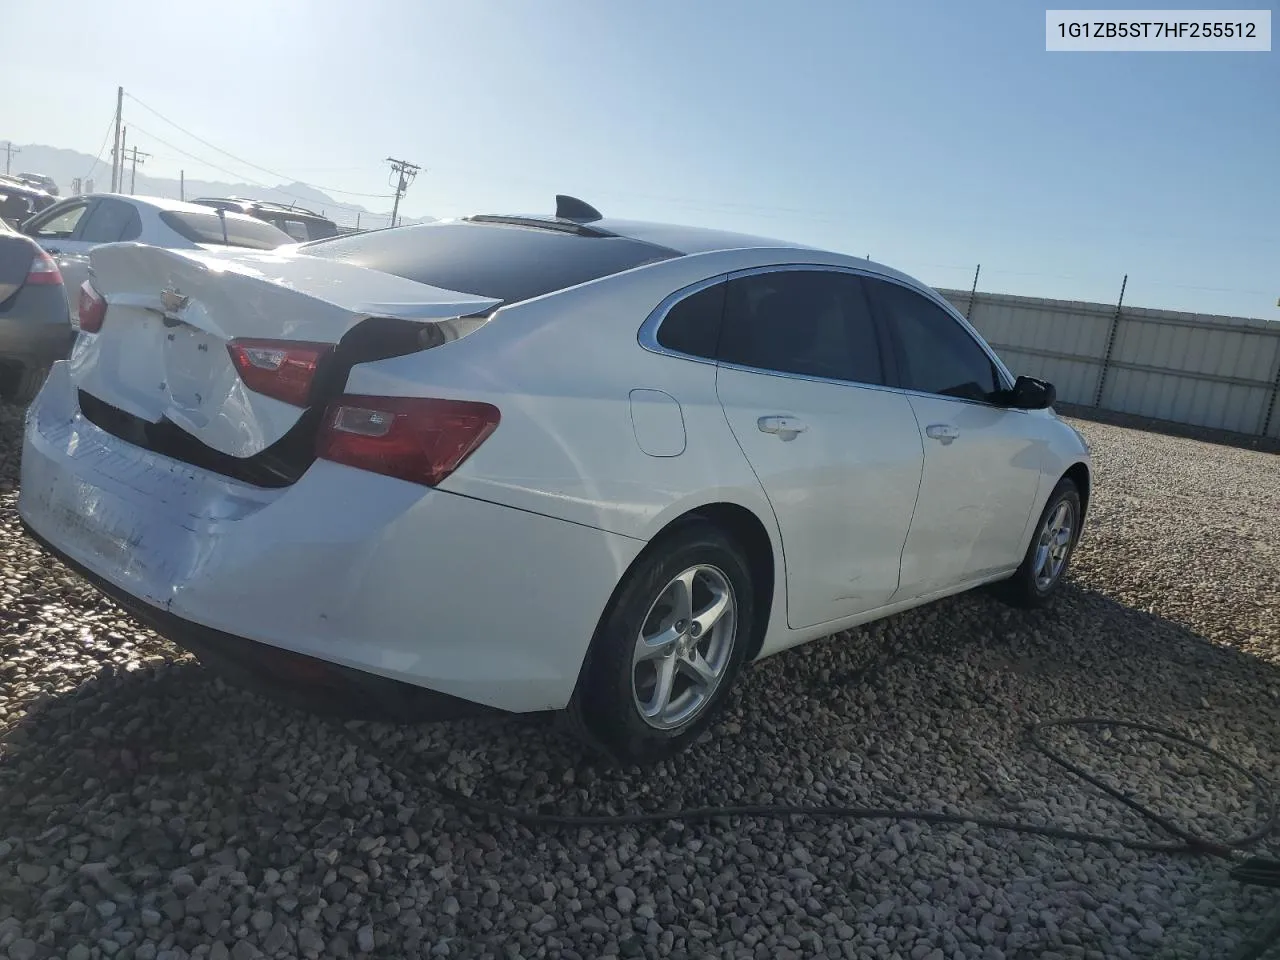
(537, 463)
(70, 228)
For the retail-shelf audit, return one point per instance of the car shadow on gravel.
(159, 768)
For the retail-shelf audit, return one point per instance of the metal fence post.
(1271, 403)
(1111, 343)
(973, 292)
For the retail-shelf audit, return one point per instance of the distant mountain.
(66, 165)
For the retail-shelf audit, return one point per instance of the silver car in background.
(69, 229)
(35, 326)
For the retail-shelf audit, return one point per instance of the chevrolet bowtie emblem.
(173, 300)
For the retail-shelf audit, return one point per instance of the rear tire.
(1050, 550)
(668, 648)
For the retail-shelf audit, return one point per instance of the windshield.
(240, 231)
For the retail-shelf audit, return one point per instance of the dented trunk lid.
(162, 351)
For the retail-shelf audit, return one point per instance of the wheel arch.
(1079, 474)
(748, 532)
(745, 528)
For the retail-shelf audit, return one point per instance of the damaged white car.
(536, 463)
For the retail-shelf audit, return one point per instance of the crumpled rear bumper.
(298, 680)
(467, 598)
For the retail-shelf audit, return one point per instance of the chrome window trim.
(648, 333)
(855, 384)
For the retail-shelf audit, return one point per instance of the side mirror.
(1028, 393)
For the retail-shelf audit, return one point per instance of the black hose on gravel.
(1254, 870)
(1183, 841)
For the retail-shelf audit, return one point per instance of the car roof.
(161, 203)
(13, 184)
(674, 238)
(685, 239)
(682, 240)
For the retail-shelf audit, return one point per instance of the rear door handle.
(786, 428)
(944, 432)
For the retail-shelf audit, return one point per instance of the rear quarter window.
(241, 231)
(500, 261)
(692, 326)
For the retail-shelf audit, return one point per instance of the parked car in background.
(69, 229)
(39, 180)
(19, 201)
(35, 327)
(298, 222)
(537, 463)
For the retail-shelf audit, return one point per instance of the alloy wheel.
(684, 647)
(1054, 545)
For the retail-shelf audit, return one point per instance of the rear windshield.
(241, 231)
(507, 263)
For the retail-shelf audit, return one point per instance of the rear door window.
(296, 229)
(108, 221)
(321, 229)
(240, 231)
(813, 323)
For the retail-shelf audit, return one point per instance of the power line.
(240, 176)
(207, 163)
(832, 215)
(98, 159)
(247, 163)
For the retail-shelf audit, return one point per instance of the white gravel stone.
(147, 807)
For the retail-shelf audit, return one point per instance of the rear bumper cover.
(305, 681)
(471, 599)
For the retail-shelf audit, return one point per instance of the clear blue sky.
(931, 135)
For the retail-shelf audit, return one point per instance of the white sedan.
(537, 463)
(70, 228)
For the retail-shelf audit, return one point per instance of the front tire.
(668, 648)
(1052, 544)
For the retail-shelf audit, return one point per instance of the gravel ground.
(147, 811)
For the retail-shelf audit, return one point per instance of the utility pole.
(973, 292)
(182, 185)
(9, 151)
(404, 171)
(137, 157)
(117, 147)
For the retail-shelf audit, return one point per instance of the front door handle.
(944, 432)
(786, 428)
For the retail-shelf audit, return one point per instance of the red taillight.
(44, 271)
(283, 369)
(92, 309)
(421, 440)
